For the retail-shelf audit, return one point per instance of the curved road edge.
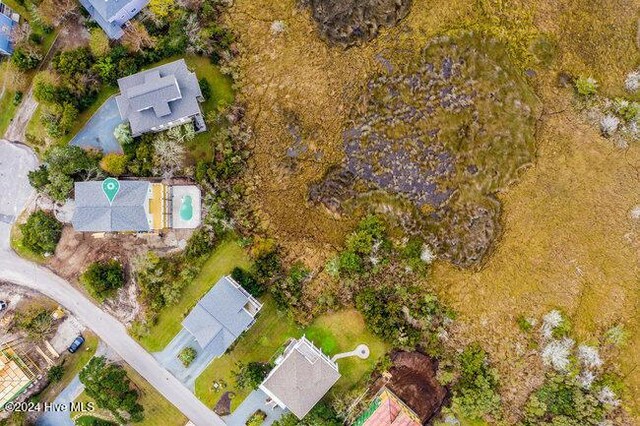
(14, 195)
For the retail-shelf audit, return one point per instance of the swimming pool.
(186, 208)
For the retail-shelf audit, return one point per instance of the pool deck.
(98, 132)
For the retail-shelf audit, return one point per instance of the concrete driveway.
(98, 132)
(16, 161)
(255, 401)
(168, 358)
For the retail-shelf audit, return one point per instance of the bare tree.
(136, 37)
(20, 33)
(53, 12)
(14, 79)
(169, 156)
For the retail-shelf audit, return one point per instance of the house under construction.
(15, 375)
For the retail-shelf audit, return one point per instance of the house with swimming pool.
(135, 206)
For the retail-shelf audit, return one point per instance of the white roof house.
(302, 376)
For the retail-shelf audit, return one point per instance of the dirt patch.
(413, 380)
(223, 406)
(77, 250)
(346, 23)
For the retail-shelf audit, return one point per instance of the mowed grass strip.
(341, 332)
(226, 257)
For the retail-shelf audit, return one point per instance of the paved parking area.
(98, 132)
(168, 358)
(252, 403)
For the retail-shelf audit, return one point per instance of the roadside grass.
(258, 344)
(20, 249)
(157, 410)
(73, 363)
(226, 257)
(7, 109)
(334, 333)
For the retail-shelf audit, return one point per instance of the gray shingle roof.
(219, 318)
(127, 212)
(158, 96)
(302, 378)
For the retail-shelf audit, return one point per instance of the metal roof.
(6, 27)
(219, 317)
(159, 96)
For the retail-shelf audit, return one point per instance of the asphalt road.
(15, 192)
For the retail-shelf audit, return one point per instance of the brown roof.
(391, 412)
(301, 378)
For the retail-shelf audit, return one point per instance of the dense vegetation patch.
(41, 232)
(111, 388)
(346, 23)
(103, 279)
(442, 135)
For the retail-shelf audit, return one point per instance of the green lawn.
(334, 333)
(7, 109)
(226, 257)
(270, 331)
(157, 410)
(342, 332)
(73, 363)
(200, 148)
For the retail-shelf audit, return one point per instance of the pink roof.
(390, 413)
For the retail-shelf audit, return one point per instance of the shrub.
(561, 400)
(41, 232)
(26, 60)
(247, 281)
(17, 98)
(287, 292)
(252, 374)
(475, 393)
(525, 324)
(205, 88)
(609, 125)
(36, 322)
(122, 133)
(114, 164)
(187, 356)
(626, 110)
(632, 82)
(400, 317)
(586, 86)
(103, 279)
(55, 373)
(256, 418)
